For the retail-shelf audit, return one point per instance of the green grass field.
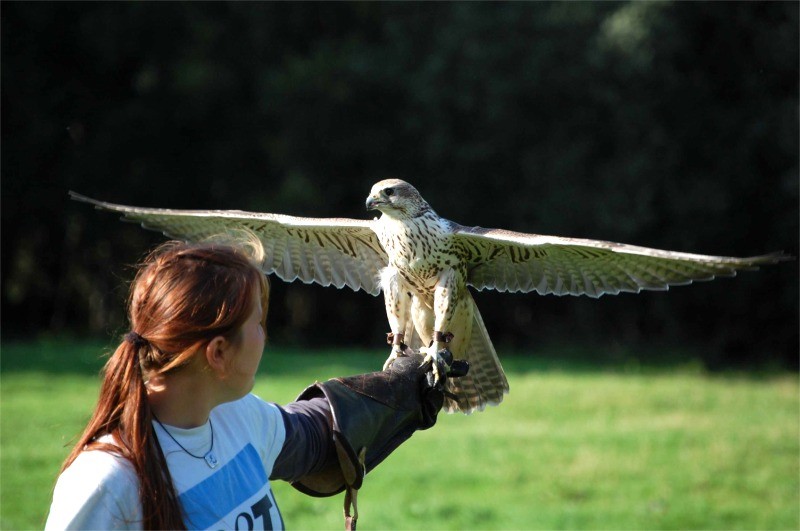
(572, 447)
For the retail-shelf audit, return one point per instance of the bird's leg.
(398, 348)
(445, 301)
(398, 307)
(432, 352)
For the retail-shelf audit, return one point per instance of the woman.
(176, 440)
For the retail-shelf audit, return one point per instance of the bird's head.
(397, 199)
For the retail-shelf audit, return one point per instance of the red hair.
(182, 297)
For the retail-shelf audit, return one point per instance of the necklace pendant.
(211, 459)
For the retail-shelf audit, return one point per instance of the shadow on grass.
(56, 356)
(87, 357)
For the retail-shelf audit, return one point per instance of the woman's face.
(249, 345)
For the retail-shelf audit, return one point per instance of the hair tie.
(136, 340)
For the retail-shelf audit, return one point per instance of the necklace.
(208, 457)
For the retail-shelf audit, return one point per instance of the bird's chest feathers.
(419, 248)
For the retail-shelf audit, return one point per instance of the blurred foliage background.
(671, 125)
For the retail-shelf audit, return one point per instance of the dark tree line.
(672, 125)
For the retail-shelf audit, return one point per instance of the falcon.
(425, 264)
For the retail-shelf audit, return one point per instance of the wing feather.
(518, 262)
(327, 251)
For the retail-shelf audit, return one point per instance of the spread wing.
(518, 262)
(328, 251)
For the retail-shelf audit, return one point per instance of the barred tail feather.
(486, 383)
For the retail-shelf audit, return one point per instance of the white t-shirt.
(99, 490)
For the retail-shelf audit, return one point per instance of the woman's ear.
(218, 352)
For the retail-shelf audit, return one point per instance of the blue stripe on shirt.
(215, 497)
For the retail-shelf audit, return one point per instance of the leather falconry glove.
(371, 415)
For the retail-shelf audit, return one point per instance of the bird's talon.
(397, 352)
(435, 360)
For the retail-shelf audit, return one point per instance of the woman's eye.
(389, 191)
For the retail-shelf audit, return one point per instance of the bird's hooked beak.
(373, 202)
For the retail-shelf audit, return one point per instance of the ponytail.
(123, 411)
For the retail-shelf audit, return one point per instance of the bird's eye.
(389, 191)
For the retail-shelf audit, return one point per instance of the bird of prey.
(424, 265)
